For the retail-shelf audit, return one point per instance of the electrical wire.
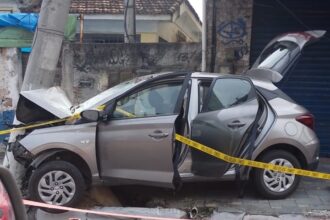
(293, 14)
(296, 17)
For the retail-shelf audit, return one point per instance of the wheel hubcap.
(56, 187)
(278, 182)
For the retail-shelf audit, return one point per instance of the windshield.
(111, 93)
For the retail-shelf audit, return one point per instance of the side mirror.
(11, 203)
(90, 115)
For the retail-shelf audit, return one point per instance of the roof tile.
(143, 7)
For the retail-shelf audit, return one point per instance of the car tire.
(272, 185)
(57, 182)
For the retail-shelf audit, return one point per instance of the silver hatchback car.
(126, 134)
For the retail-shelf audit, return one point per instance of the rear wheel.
(57, 183)
(274, 185)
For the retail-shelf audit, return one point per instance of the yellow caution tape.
(101, 107)
(68, 119)
(251, 163)
(120, 110)
(37, 125)
(127, 114)
(32, 126)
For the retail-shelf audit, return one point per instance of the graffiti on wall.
(186, 57)
(118, 57)
(233, 34)
(96, 67)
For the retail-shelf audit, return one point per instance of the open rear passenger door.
(224, 123)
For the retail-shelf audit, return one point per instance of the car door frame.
(110, 107)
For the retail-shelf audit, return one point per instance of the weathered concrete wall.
(92, 68)
(10, 82)
(228, 35)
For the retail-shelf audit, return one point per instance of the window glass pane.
(203, 88)
(153, 101)
(227, 93)
(278, 56)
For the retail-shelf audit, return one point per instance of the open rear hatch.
(281, 54)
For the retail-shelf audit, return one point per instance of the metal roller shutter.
(309, 83)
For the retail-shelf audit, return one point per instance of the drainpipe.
(81, 28)
(129, 21)
(204, 37)
(214, 37)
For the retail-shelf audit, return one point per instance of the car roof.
(207, 75)
(193, 75)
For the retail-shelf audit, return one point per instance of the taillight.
(307, 119)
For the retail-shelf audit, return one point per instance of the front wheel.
(57, 183)
(274, 185)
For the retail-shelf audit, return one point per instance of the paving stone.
(259, 217)
(42, 215)
(292, 217)
(275, 204)
(299, 195)
(153, 212)
(227, 216)
(315, 192)
(290, 210)
(310, 201)
(236, 203)
(233, 209)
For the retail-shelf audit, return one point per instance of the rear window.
(278, 56)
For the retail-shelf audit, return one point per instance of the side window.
(153, 101)
(227, 93)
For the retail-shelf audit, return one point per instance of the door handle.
(158, 134)
(235, 124)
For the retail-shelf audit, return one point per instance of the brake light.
(307, 119)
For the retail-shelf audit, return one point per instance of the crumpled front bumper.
(21, 154)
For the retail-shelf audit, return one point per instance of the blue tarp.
(6, 118)
(17, 29)
(28, 21)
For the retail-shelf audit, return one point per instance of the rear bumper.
(314, 164)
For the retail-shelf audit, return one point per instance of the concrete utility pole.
(130, 21)
(41, 67)
(40, 72)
